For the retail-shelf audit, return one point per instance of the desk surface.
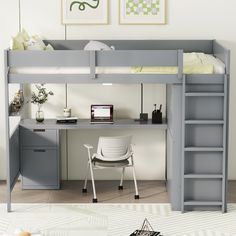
(85, 124)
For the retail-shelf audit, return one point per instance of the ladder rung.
(204, 149)
(203, 176)
(204, 122)
(202, 94)
(203, 203)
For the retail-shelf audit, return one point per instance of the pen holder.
(157, 117)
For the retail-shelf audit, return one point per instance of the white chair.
(112, 152)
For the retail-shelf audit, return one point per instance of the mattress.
(194, 63)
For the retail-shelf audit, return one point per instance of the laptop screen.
(101, 113)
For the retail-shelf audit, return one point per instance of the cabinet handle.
(39, 130)
(39, 150)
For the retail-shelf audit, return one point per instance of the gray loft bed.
(192, 182)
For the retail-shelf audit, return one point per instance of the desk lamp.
(143, 117)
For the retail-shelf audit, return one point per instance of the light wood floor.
(107, 192)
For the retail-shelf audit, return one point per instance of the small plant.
(41, 96)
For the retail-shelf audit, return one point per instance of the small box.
(143, 117)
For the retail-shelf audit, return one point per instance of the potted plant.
(39, 98)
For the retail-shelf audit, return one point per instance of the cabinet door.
(40, 168)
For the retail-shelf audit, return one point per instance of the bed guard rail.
(93, 59)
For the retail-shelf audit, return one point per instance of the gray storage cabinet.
(40, 158)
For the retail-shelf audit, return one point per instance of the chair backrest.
(114, 148)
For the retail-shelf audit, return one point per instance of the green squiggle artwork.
(82, 5)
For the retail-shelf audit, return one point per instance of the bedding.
(97, 46)
(22, 41)
(194, 63)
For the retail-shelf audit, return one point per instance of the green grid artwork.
(142, 7)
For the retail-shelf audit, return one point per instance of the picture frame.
(89, 12)
(145, 12)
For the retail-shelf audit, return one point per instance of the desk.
(40, 148)
(85, 124)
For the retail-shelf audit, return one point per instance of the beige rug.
(114, 220)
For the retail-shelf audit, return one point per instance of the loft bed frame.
(130, 53)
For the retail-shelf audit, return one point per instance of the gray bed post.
(225, 152)
(180, 63)
(226, 129)
(7, 132)
(93, 64)
(183, 144)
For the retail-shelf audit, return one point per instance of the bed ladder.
(204, 159)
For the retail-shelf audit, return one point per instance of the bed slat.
(78, 58)
(137, 58)
(48, 58)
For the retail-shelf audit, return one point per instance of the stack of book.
(67, 120)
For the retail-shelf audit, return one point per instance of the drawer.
(38, 137)
(40, 168)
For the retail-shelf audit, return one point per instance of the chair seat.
(101, 163)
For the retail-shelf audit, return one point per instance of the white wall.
(187, 19)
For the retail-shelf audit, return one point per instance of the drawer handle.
(39, 130)
(39, 150)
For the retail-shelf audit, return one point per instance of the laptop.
(102, 114)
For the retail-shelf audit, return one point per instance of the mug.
(67, 112)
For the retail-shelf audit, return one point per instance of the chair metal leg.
(86, 179)
(122, 179)
(93, 183)
(135, 185)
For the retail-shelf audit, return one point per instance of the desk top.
(85, 124)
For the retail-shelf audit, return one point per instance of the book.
(67, 120)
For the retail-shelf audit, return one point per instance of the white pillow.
(33, 45)
(22, 41)
(97, 46)
(39, 41)
(49, 47)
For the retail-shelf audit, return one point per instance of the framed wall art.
(142, 12)
(85, 12)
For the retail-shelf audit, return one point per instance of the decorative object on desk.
(39, 98)
(141, 12)
(157, 115)
(17, 102)
(146, 230)
(85, 12)
(67, 112)
(67, 120)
